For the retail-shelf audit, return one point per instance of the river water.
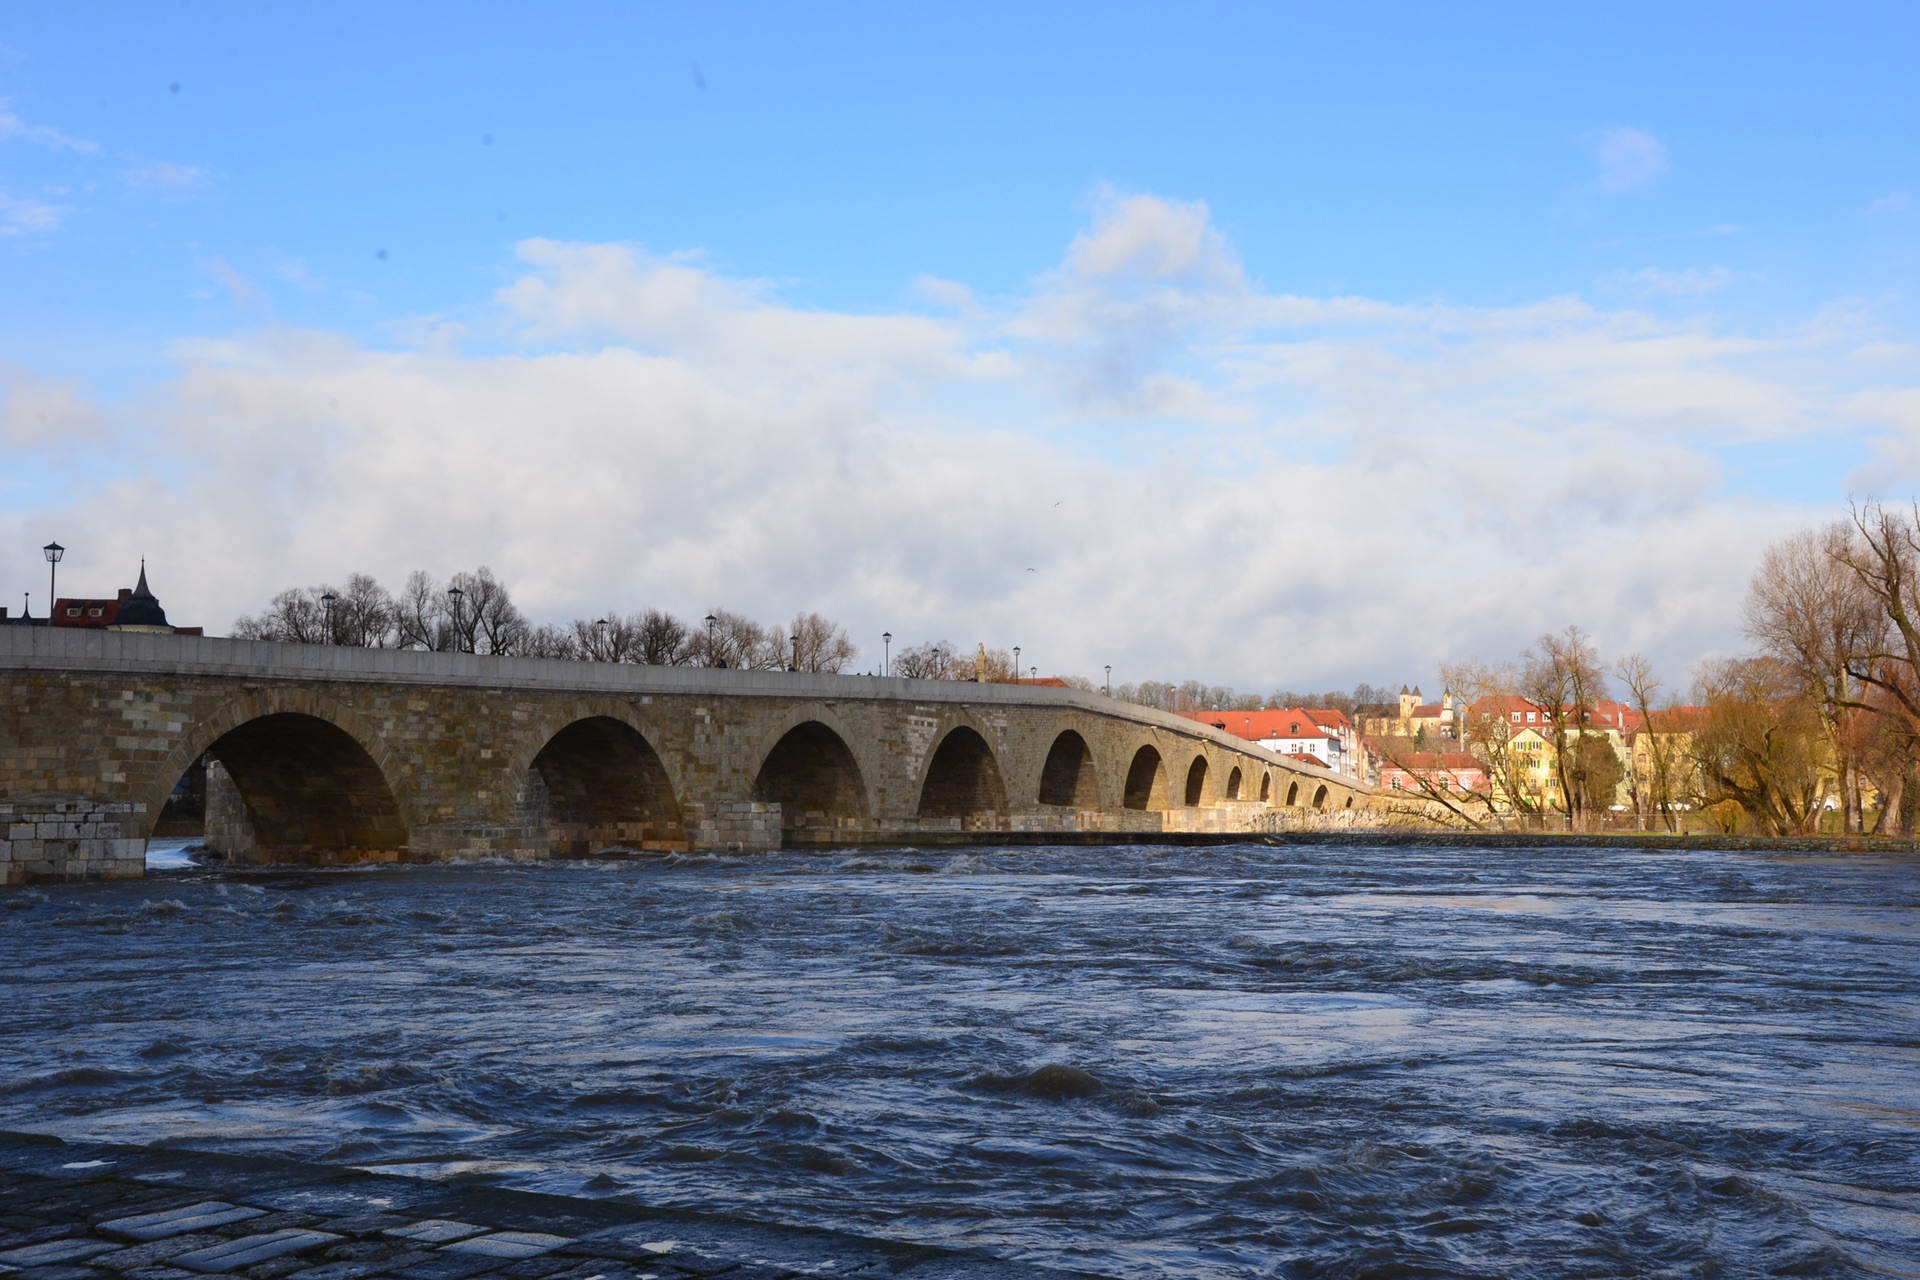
(1243, 1061)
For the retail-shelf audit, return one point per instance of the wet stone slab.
(98, 1212)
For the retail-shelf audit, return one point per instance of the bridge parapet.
(330, 753)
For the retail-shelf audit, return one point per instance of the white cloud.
(242, 291)
(1655, 282)
(13, 127)
(1896, 202)
(1627, 158)
(1306, 491)
(37, 412)
(19, 216)
(162, 176)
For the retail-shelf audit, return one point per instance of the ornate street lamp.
(796, 653)
(1109, 679)
(886, 652)
(1035, 673)
(53, 552)
(1016, 664)
(713, 659)
(328, 600)
(454, 594)
(600, 655)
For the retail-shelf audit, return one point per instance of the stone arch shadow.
(1193, 787)
(810, 768)
(1070, 773)
(591, 778)
(293, 776)
(1146, 780)
(962, 778)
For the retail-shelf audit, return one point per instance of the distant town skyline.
(1264, 347)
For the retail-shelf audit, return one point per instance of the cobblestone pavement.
(95, 1212)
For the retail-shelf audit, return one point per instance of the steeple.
(140, 611)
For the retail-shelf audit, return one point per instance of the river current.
(1243, 1061)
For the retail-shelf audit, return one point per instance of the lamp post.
(328, 600)
(1016, 664)
(886, 652)
(1035, 673)
(53, 552)
(453, 595)
(1109, 679)
(796, 653)
(600, 653)
(713, 659)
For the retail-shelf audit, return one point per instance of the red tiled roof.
(1256, 725)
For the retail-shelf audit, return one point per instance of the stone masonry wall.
(71, 840)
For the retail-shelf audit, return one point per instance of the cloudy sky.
(1265, 346)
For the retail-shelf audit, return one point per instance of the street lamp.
(600, 654)
(1109, 679)
(1035, 673)
(328, 600)
(53, 551)
(454, 594)
(713, 659)
(796, 653)
(886, 652)
(1016, 664)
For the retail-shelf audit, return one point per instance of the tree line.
(1822, 715)
(474, 613)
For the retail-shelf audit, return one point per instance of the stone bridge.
(321, 754)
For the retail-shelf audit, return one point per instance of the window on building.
(1516, 717)
(74, 612)
(1396, 784)
(1531, 716)
(92, 613)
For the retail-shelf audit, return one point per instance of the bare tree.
(1883, 553)
(485, 617)
(548, 641)
(734, 640)
(930, 661)
(1760, 744)
(1487, 693)
(421, 620)
(1654, 789)
(660, 639)
(1809, 609)
(820, 644)
(295, 616)
(1563, 677)
(362, 614)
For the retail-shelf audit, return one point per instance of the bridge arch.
(1293, 793)
(305, 779)
(1068, 777)
(1266, 786)
(1146, 786)
(1234, 783)
(962, 779)
(598, 783)
(1320, 797)
(815, 778)
(1196, 785)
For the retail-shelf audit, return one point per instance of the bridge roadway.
(325, 754)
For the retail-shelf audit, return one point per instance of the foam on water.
(1220, 1062)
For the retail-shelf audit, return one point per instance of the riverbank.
(92, 1211)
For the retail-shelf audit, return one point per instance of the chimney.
(126, 594)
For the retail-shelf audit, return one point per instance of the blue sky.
(1322, 289)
